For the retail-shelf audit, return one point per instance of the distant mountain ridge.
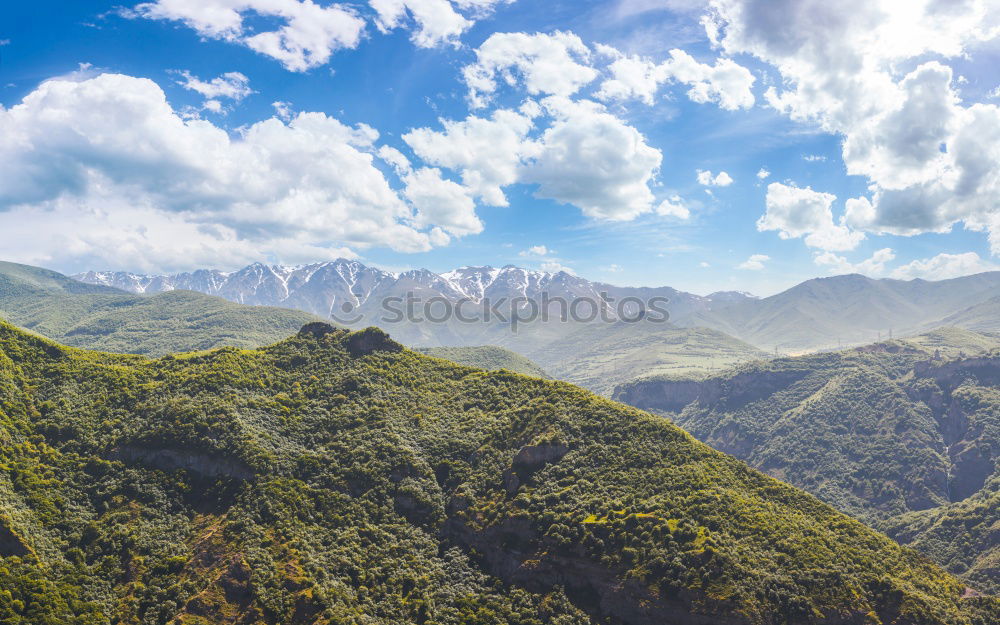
(320, 287)
(821, 313)
(593, 353)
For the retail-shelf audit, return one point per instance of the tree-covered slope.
(600, 356)
(489, 357)
(338, 478)
(96, 317)
(878, 432)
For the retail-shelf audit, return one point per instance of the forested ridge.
(903, 435)
(338, 478)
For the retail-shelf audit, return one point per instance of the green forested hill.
(886, 433)
(600, 356)
(337, 478)
(489, 357)
(96, 317)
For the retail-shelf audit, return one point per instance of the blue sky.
(618, 119)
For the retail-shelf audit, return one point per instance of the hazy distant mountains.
(822, 313)
(852, 309)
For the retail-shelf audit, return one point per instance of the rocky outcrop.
(985, 370)
(659, 395)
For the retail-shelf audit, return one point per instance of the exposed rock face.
(985, 370)
(204, 464)
(660, 396)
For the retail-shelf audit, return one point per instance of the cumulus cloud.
(875, 72)
(556, 64)
(581, 155)
(591, 159)
(944, 266)
(763, 173)
(231, 85)
(441, 202)
(726, 83)
(722, 179)
(754, 263)
(795, 212)
(673, 207)
(872, 266)
(114, 141)
(437, 21)
(487, 151)
(310, 33)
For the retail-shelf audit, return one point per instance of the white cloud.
(438, 21)
(795, 212)
(584, 156)
(726, 83)
(114, 141)
(310, 33)
(441, 202)
(487, 151)
(556, 64)
(552, 266)
(874, 72)
(754, 263)
(707, 179)
(814, 158)
(673, 207)
(535, 250)
(231, 85)
(763, 173)
(591, 159)
(872, 266)
(704, 265)
(944, 266)
(283, 110)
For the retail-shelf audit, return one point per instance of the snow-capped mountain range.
(320, 287)
(344, 289)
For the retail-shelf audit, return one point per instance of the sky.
(701, 144)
